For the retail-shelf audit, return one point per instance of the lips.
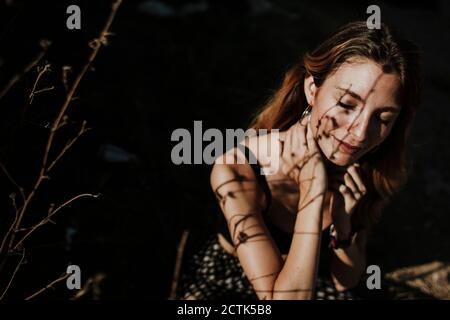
(347, 148)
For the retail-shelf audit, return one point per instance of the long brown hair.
(385, 169)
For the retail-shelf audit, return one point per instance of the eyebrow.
(359, 98)
(352, 93)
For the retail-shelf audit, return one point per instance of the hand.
(347, 189)
(302, 160)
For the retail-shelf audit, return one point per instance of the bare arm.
(297, 279)
(347, 265)
(241, 201)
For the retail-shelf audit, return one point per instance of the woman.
(344, 114)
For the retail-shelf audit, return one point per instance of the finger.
(340, 187)
(351, 185)
(341, 190)
(299, 137)
(353, 170)
(346, 193)
(349, 200)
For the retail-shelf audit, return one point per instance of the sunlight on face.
(354, 110)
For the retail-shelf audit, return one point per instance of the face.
(353, 111)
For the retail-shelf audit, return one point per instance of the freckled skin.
(367, 123)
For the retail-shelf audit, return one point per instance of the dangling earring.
(306, 112)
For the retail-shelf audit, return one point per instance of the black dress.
(212, 273)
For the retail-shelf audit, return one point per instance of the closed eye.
(346, 106)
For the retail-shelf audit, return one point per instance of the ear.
(310, 90)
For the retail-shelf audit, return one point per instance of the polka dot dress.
(214, 274)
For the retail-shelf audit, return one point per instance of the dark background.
(218, 64)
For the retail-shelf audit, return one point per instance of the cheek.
(324, 126)
(330, 122)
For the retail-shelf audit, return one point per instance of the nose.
(359, 129)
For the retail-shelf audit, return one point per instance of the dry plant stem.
(96, 45)
(178, 261)
(45, 69)
(17, 77)
(13, 275)
(51, 213)
(50, 285)
(68, 145)
(22, 194)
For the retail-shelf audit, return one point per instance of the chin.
(340, 161)
(338, 157)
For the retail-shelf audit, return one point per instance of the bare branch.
(10, 178)
(69, 144)
(13, 275)
(50, 285)
(45, 44)
(42, 71)
(56, 124)
(52, 213)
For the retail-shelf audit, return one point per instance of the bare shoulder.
(232, 165)
(234, 162)
(231, 172)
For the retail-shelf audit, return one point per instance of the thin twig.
(96, 45)
(50, 285)
(52, 213)
(10, 178)
(14, 275)
(22, 194)
(42, 71)
(68, 145)
(178, 261)
(20, 214)
(45, 44)
(44, 90)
